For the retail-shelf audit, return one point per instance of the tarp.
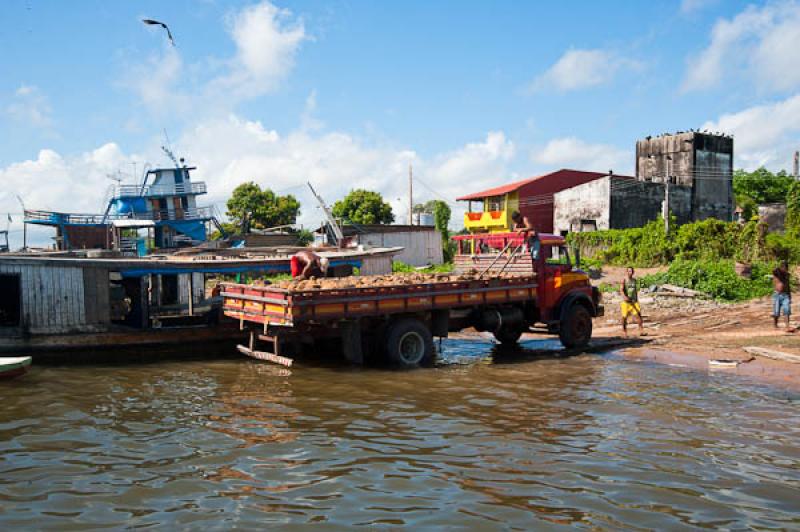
(196, 230)
(129, 205)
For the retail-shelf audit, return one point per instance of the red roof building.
(532, 197)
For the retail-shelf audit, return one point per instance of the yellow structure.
(494, 215)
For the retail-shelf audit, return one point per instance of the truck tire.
(576, 327)
(409, 343)
(508, 335)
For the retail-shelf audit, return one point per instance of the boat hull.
(11, 367)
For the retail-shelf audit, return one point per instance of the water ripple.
(510, 442)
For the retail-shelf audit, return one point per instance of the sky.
(348, 94)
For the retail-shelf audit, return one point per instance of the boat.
(13, 366)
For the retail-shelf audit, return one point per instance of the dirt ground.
(615, 274)
(690, 332)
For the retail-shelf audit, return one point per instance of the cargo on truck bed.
(382, 295)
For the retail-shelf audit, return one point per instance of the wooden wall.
(376, 265)
(198, 287)
(55, 299)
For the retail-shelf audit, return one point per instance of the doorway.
(10, 300)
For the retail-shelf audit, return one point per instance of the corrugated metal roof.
(554, 182)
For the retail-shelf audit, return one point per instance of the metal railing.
(62, 218)
(177, 189)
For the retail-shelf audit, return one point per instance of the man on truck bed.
(306, 264)
(629, 288)
(524, 227)
(782, 297)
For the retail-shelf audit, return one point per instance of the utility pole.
(667, 180)
(24, 225)
(796, 165)
(410, 196)
(666, 206)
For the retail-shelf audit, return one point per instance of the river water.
(504, 442)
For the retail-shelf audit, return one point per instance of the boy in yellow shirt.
(629, 288)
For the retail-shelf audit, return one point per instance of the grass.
(402, 267)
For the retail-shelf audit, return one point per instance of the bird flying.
(152, 22)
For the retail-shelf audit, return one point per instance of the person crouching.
(307, 264)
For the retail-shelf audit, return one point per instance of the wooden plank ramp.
(263, 355)
(771, 353)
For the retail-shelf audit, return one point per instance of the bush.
(717, 278)
(783, 247)
(709, 239)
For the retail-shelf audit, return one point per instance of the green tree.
(760, 186)
(363, 207)
(793, 210)
(304, 237)
(263, 208)
(441, 220)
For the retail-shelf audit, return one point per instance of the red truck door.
(553, 262)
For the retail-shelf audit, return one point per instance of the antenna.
(171, 156)
(168, 150)
(115, 177)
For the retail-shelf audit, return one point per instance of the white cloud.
(759, 44)
(267, 39)
(30, 107)
(571, 152)
(765, 135)
(233, 150)
(474, 166)
(156, 82)
(580, 69)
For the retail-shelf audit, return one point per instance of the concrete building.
(774, 215)
(616, 202)
(702, 161)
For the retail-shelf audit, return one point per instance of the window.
(10, 300)
(559, 257)
(496, 203)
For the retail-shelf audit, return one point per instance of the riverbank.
(690, 332)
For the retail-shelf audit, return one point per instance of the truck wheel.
(508, 335)
(576, 327)
(409, 343)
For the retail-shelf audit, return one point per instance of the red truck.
(400, 322)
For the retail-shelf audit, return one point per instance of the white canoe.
(13, 366)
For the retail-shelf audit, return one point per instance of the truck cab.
(565, 300)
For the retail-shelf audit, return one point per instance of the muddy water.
(516, 442)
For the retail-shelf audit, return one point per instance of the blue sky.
(347, 94)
